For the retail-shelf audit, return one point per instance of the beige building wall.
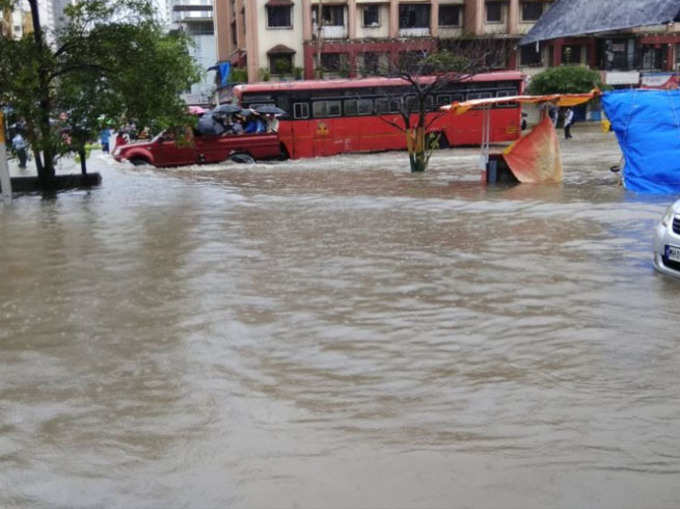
(496, 28)
(448, 31)
(271, 37)
(382, 31)
(256, 39)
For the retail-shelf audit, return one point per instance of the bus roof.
(364, 82)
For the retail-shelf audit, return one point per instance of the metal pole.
(486, 137)
(5, 181)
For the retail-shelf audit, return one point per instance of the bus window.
(443, 100)
(506, 93)
(411, 103)
(326, 109)
(365, 106)
(479, 95)
(429, 102)
(351, 107)
(395, 105)
(300, 110)
(382, 106)
(283, 102)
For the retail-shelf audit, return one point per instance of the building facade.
(195, 17)
(17, 22)
(284, 38)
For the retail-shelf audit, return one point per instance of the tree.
(425, 73)
(110, 61)
(568, 79)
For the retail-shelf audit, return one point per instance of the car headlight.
(668, 216)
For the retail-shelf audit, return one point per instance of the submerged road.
(339, 333)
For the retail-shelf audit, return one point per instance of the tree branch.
(78, 67)
(393, 124)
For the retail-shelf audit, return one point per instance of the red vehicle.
(164, 150)
(335, 116)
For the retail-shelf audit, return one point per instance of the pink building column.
(394, 18)
(306, 20)
(222, 29)
(352, 19)
(513, 17)
(252, 49)
(474, 16)
(238, 5)
(434, 18)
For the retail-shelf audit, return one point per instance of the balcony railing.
(331, 31)
(414, 32)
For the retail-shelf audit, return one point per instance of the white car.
(667, 242)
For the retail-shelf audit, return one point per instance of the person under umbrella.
(269, 109)
(272, 123)
(19, 146)
(255, 124)
(208, 124)
(226, 109)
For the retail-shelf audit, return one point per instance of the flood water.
(338, 333)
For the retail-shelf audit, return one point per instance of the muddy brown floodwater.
(339, 333)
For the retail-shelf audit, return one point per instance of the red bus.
(327, 117)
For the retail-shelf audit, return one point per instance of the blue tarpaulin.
(647, 125)
(225, 70)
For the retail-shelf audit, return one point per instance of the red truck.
(197, 148)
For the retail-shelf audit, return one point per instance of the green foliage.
(568, 79)
(265, 74)
(445, 61)
(298, 72)
(238, 75)
(110, 61)
(282, 65)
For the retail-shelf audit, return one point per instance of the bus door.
(297, 133)
(355, 126)
(325, 114)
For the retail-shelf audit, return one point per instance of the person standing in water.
(568, 120)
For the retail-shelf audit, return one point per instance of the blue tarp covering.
(647, 125)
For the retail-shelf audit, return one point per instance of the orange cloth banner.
(565, 100)
(535, 158)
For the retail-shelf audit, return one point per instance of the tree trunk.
(417, 150)
(46, 169)
(83, 164)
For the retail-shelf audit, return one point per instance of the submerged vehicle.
(667, 242)
(329, 117)
(196, 148)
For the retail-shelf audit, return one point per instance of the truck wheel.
(139, 161)
(242, 157)
(284, 153)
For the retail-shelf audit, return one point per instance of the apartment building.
(280, 39)
(17, 22)
(195, 17)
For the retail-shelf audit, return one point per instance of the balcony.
(331, 31)
(183, 13)
(414, 32)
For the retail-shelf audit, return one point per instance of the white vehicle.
(667, 242)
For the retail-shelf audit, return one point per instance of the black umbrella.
(226, 109)
(269, 109)
(207, 124)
